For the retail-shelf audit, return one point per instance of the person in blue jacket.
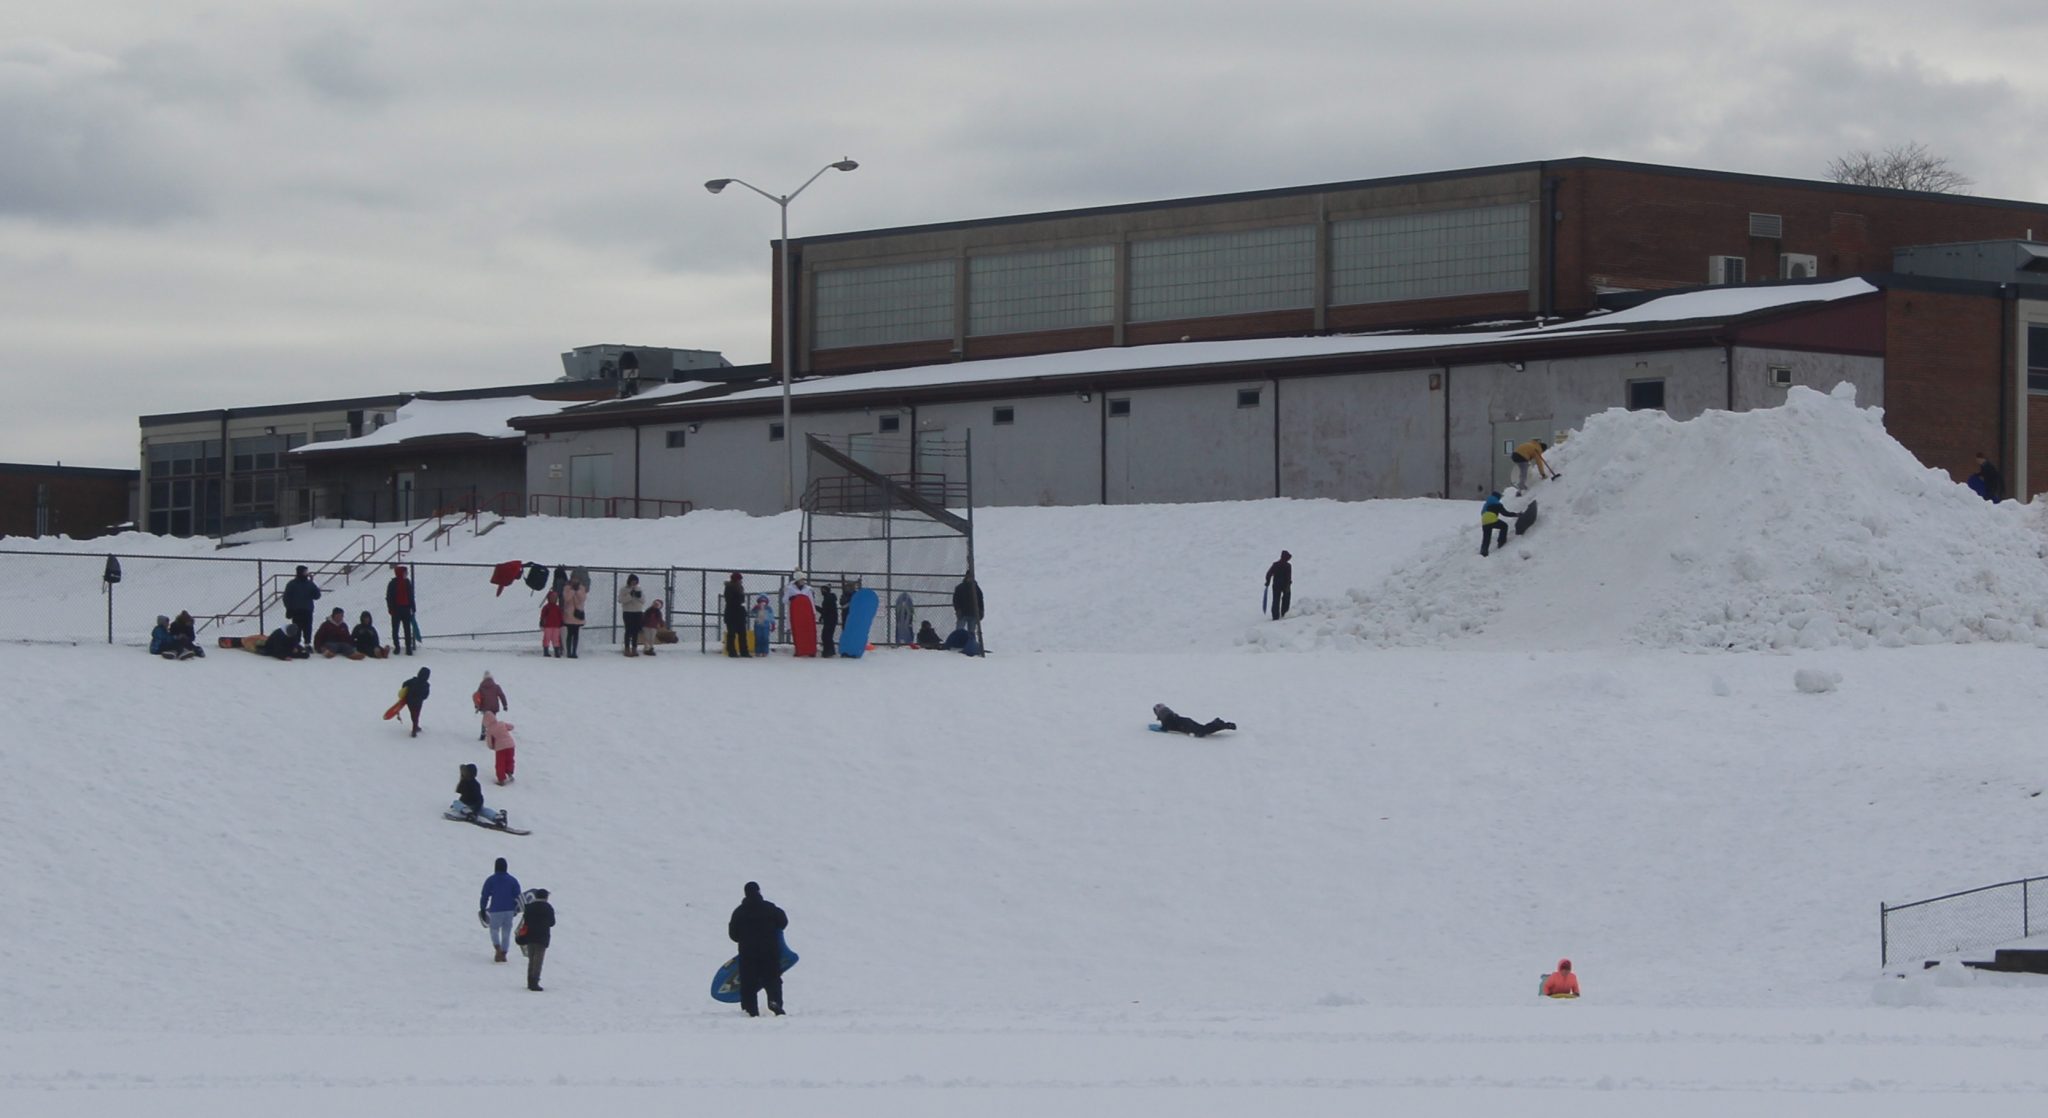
(497, 908)
(299, 595)
(1493, 515)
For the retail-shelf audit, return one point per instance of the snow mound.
(1801, 526)
(1816, 681)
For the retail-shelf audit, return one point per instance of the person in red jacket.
(333, 639)
(551, 625)
(1561, 983)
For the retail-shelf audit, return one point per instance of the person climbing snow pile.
(1530, 454)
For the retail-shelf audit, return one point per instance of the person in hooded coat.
(757, 926)
(401, 600)
(160, 637)
(1561, 983)
(414, 693)
(333, 637)
(490, 699)
(1181, 724)
(1493, 517)
(928, 637)
(573, 617)
(828, 621)
(763, 617)
(632, 612)
(1280, 578)
(734, 600)
(469, 792)
(364, 637)
(497, 908)
(551, 625)
(539, 919)
(185, 636)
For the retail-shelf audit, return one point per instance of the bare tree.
(1908, 166)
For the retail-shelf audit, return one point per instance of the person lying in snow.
(1181, 724)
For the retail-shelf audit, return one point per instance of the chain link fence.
(1974, 918)
(65, 598)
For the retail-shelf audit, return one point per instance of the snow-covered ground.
(230, 892)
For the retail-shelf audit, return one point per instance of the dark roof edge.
(391, 398)
(1574, 162)
(68, 471)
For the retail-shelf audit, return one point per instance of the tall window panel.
(1223, 273)
(1429, 255)
(883, 304)
(1057, 289)
(2037, 358)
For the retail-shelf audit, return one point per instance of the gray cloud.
(80, 146)
(340, 64)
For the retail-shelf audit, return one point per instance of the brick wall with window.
(1942, 379)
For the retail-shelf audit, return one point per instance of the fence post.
(260, 584)
(2026, 911)
(703, 584)
(1884, 947)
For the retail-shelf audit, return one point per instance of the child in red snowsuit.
(499, 735)
(551, 625)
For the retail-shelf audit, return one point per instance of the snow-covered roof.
(424, 419)
(1708, 305)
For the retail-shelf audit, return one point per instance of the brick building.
(1543, 238)
(76, 501)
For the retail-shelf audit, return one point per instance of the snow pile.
(1802, 526)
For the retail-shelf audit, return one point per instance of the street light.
(782, 202)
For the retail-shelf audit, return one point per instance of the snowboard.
(860, 621)
(1526, 519)
(725, 985)
(803, 625)
(459, 816)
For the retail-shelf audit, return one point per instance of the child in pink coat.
(499, 736)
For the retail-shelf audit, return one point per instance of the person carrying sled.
(757, 927)
(551, 625)
(1174, 723)
(489, 699)
(333, 638)
(401, 602)
(1561, 983)
(412, 694)
(498, 735)
(1493, 516)
(1280, 580)
(1528, 454)
(497, 908)
(734, 606)
(364, 636)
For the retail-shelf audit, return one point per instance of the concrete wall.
(1370, 435)
(1818, 371)
(1190, 443)
(1050, 455)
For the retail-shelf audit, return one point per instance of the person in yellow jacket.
(1528, 453)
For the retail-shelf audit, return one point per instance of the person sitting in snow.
(469, 796)
(1181, 724)
(928, 637)
(282, 644)
(333, 638)
(1561, 983)
(1493, 516)
(185, 636)
(364, 637)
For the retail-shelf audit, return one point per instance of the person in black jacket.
(757, 926)
(968, 606)
(828, 622)
(282, 644)
(364, 637)
(469, 792)
(299, 595)
(539, 918)
(1181, 724)
(415, 692)
(736, 617)
(1280, 576)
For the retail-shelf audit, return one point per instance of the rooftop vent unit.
(1725, 269)
(1771, 227)
(1798, 265)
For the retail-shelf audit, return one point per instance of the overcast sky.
(218, 203)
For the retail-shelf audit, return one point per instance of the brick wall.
(1942, 380)
(80, 506)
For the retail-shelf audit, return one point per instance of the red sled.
(803, 625)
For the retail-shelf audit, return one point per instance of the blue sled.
(725, 985)
(860, 621)
(1155, 727)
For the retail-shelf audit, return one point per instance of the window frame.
(1003, 415)
(1635, 383)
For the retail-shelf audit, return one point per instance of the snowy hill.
(232, 892)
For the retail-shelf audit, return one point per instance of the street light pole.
(788, 294)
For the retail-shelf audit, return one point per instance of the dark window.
(1119, 407)
(1646, 395)
(1247, 397)
(775, 432)
(675, 440)
(2037, 358)
(891, 423)
(1005, 416)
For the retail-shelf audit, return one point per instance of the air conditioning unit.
(1798, 265)
(1725, 269)
(1781, 376)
